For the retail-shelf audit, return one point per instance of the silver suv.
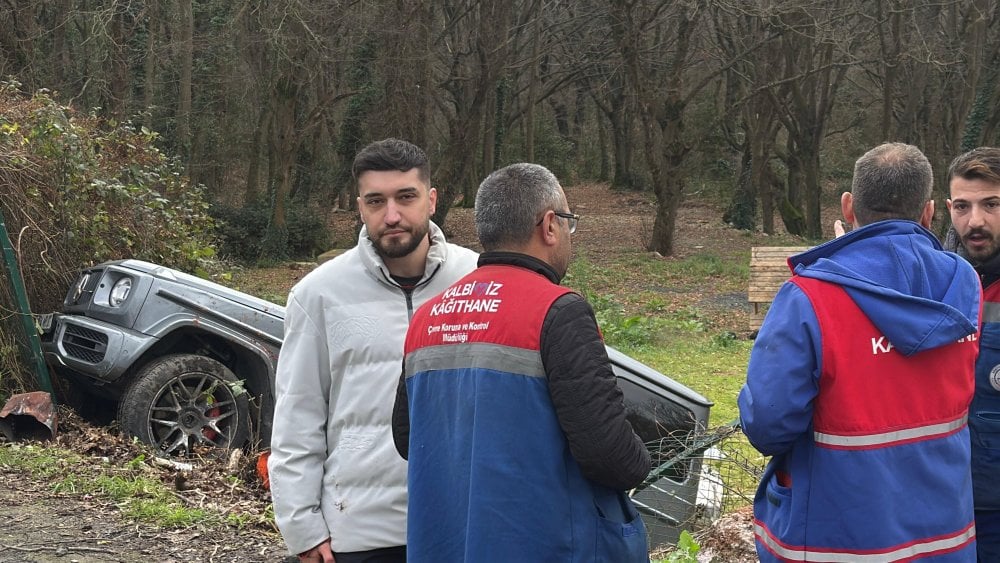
(191, 362)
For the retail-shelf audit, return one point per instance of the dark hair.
(509, 202)
(982, 163)
(392, 154)
(891, 181)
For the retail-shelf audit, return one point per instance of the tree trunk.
(118, 79)
(149, 62)
(742, 210)
(471, 85)
(602, 148)
(623, 144)
(60, 46)
(251, 191)
(489, 146)
(891, 49)
(811, 179)
(529, 125)
(284, 142)
(409, 86)
(185, 69)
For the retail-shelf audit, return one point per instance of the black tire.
(179, 401)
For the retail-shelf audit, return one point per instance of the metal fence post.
(34, 345)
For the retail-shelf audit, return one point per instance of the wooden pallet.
(768, 271)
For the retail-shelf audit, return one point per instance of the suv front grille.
(85, 344)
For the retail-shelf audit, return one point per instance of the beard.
(981, 253)
(398, 246)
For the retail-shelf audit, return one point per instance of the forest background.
(205, 135)
(187, 131)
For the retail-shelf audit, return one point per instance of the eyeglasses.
(571, 218)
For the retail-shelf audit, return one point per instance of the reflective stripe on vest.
(991, 312)
(477, 355)
(924, 548)
(890, 438)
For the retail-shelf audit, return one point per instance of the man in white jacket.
(338, 486)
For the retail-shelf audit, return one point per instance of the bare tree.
(603, 75)
(185, 67)
(471, 49)
(303, 42)
(934, 58)
(658, 44)
(817, 44)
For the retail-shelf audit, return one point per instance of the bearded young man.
(339, 489)
(974, 183)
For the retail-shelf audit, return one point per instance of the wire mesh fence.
(696, 480)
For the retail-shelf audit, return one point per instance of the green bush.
(99, 189)
(242, 232)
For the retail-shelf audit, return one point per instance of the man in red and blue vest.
(859, 384)
(508, 410)
(974, 183)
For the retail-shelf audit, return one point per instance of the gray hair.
(891, 181)
(510, 201)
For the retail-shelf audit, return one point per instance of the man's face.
(396, 208)
(975, 213)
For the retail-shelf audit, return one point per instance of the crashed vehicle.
(191, 362)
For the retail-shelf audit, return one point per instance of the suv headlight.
(119, 291)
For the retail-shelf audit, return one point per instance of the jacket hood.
(436, 255)
(897, 273)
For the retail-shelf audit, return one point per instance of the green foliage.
(710, 265)
(686, 550)
(274, 246)
(136, 462)
(146, 499)
(241, 231)
(619, 329)
(100, 187)
(44, 463)
(79, 190)
(361, 76)
(981, 110)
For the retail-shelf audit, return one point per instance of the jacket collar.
(499, 257)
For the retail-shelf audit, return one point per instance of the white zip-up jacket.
(333, 468)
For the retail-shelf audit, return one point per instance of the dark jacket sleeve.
(586, 397)
(401, 419)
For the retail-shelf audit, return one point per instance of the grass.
(657, 324)
(139, 497)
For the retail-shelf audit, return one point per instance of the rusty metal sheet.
(30, 416)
